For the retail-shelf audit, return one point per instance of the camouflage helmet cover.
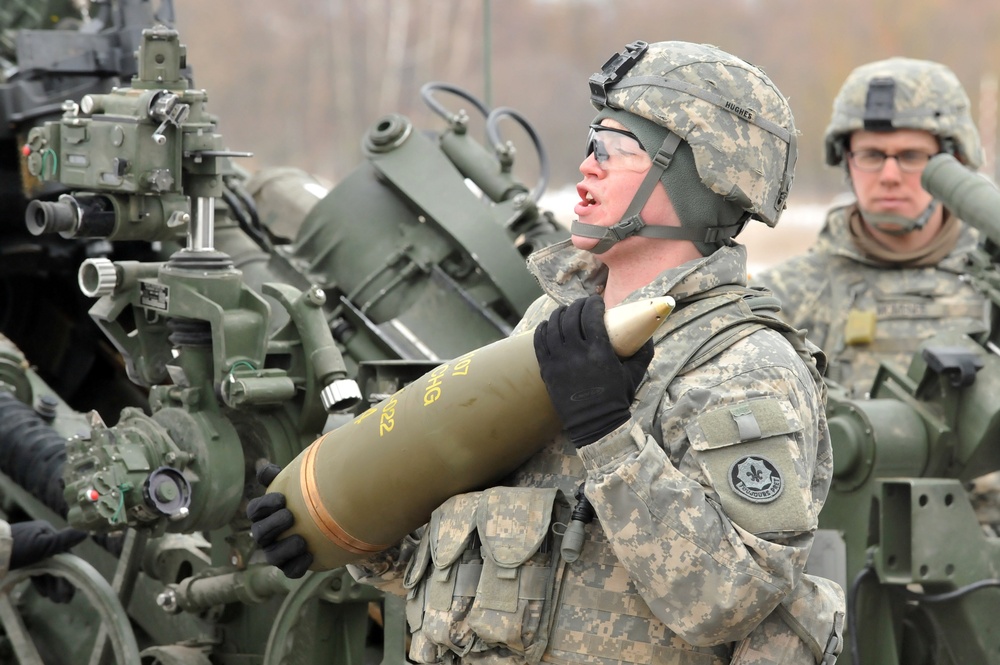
(904, 93)
(738, 124)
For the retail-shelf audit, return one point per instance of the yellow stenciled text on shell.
(388, 418)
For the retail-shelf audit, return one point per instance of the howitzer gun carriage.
(249, 315)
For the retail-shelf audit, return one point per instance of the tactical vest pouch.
(483, 576)
(749, 451)
(415, 570)
(511, 607)
(441, 593)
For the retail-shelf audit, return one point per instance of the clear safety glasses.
(871, 160)
(617, 149)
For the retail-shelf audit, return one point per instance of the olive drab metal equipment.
(237, 319)
(898, 529)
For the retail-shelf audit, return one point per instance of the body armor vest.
(588, 612)
(890, 313)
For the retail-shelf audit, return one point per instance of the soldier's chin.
(583, 243)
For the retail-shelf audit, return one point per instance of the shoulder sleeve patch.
(751, 454)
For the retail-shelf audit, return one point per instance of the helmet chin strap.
(899, 225)
(632, 224)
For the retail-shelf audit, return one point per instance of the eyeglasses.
(872, 161)
(617, 149)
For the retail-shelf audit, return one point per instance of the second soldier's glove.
(590, 388)
(37, 540)
(270, 519)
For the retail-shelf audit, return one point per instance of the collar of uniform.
(567, 273)
(835, 238)
(726, 265)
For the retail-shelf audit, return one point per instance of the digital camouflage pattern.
(927, 95)
(862, 312)
(739, 125)
(679, 567)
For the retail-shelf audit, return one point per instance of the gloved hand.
(270, 519)
(36, 540)
(590, 388)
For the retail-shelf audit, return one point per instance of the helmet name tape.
(879, 105)
(711, 98)
(745, 113)
(613, 70)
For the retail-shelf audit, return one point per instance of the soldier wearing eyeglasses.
(886, 272)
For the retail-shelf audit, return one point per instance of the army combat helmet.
(904, 93)
(699, 104)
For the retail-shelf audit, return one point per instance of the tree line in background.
(299, 82)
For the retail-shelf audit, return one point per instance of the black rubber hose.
(493, 134)
(852, 610)
(427, 93)
(244, 220)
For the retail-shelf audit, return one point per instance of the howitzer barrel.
(970, 196)
(465, 424)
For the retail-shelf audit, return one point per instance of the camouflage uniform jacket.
(862, 312)
(699, 540)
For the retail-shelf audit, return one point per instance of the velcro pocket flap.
(742, 422)
(450, 532)
(750, 452)
(417, 565)
(513, 523)
(415, 570)
(451, 529)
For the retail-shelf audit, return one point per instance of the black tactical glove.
(270, 519)
(37, 540)
(590, 388)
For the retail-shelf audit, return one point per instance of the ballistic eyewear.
(617, 149)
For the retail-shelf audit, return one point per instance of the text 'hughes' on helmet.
(738, 124)
(904, 93)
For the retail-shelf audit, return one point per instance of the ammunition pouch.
(484, 575)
